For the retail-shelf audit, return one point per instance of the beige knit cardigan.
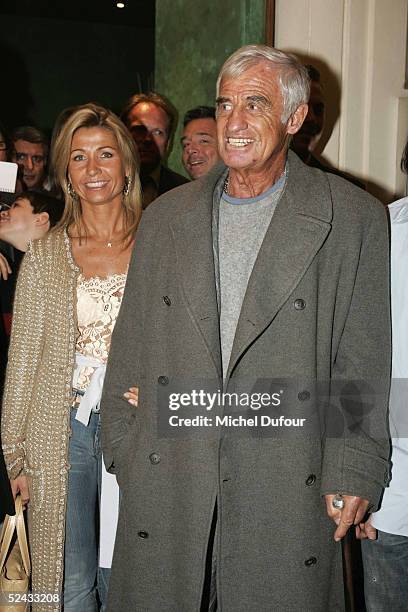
(36, 405)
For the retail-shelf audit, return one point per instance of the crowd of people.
(124, 285)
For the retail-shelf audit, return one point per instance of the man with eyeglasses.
(3, 144)
(29, 151)
(152, 120)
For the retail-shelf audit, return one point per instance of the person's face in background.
(149, 126)
(309, 134)
(3, 148)
(19, 223)
(32, 161)
(200, 149)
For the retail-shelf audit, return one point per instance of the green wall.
(193, 39)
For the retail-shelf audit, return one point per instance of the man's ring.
(338, 502)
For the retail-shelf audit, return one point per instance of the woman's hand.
(132, 395)
(20, 485)
(5, 269)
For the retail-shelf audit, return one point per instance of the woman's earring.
(71, 191)
(126, 186)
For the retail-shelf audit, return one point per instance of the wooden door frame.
(270, 22)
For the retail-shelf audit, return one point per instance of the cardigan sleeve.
(23, 359)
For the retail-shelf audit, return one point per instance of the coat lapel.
(298, 229)
(193, 240)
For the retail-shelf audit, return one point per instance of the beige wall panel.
(355, 99)
(388, 70)
(361, 45)
(292, 24)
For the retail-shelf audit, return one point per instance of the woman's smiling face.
(95, 167)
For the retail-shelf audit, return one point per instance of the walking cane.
(346, 549)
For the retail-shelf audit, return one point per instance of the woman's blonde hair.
(92, 115)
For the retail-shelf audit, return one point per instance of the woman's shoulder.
(50, 248)
(54, 237)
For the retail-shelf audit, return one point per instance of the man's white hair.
(293, 78)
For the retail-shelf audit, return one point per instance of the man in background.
(199, 141)
(308, 137)
(30, 150)
(30, 217)
(385, 554)
(152, 120)
(309, 134)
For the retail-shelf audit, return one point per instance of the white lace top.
(98, 303)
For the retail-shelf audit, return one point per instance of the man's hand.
(353, 513)
(20, 485)
(5, 269)
(366, 530)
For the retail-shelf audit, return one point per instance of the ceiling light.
(120, 4)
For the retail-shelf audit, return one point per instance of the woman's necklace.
(109, 244)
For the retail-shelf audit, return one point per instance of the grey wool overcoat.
(316, 308)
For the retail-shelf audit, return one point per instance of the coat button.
(144, 535)
(154, 458)
(311, 561)
(310, 480)
(303, 396)
(163, 380)
(166, 300)
(299, 304)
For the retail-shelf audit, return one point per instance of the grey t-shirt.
(242, 227)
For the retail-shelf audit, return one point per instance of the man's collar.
(155, 175)
(306, 189)
(152, 177)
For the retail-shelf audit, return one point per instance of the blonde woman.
(67, 300)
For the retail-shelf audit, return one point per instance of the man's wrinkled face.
(32, 161)
(308, 135)
(149, 126)
(199, 143)
(249, 109)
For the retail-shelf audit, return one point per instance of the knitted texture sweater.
(36, 404)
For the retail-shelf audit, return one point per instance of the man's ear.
(296, 120)
(42, 219)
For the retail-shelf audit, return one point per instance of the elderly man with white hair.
(257, 298)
